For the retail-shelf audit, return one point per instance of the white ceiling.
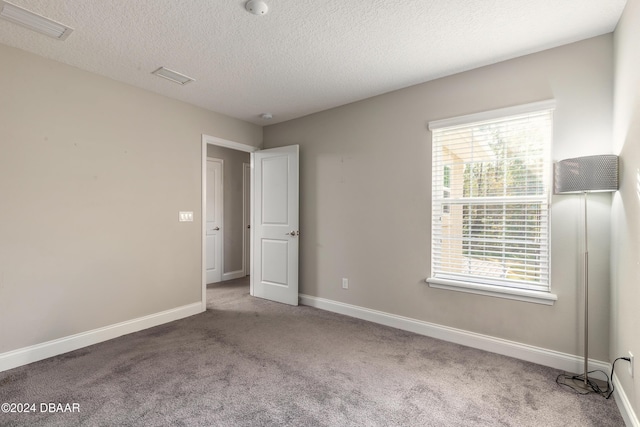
(304, 56)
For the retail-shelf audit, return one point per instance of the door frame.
(246, 218)
(206, 140)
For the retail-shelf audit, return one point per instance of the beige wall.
(625, 256)
(233, 203)
(93, 174)
(365, 196)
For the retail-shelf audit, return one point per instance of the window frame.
(486, 287)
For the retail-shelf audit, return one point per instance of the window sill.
(536, 297)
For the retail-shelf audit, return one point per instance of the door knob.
(216, 229)
(293, 233)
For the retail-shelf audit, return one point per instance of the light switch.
(185, 216)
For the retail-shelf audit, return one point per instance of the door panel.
(274, 255)
(212, 254)
(275, 224)
(275, 176)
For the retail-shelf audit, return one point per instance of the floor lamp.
(584, 175)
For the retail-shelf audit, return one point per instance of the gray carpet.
(250, 362)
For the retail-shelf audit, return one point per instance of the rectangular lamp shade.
(33, 21)
(588, 174)
(174, 76)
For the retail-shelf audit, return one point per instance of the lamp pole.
(586, 297)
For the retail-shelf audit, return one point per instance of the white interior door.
(214, 212)
(274, 275)
(247, 216)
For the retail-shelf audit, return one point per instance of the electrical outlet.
(631, 364)
(345, 283)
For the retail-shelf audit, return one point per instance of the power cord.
(628, 359)
(593, 386)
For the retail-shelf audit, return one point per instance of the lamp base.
(577, 383)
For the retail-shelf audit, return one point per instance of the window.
(490, 203)
(446, 189)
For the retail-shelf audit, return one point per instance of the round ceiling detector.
(257, 7)
(266, 116)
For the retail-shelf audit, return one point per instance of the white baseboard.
(628, 414)
(26, 355)
(233, 275)
(554, 359)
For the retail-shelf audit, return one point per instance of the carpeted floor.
(251, 362)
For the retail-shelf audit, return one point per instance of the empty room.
(323, 213)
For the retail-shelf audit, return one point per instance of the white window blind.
(490, 199)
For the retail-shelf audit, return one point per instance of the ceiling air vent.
(33, 21)
(173, 76)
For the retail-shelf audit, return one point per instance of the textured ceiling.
(304, 56)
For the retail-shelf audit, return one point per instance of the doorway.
(274, 215)
(234, 260)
